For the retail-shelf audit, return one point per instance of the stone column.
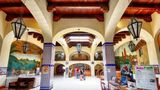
(108, 60)
(92, 69)
(47, 67)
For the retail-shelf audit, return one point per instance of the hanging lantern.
(18, 27)
(25, 47)
(134, 28)
(78, 47)
(131, 46)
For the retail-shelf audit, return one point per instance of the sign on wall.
(145, 77)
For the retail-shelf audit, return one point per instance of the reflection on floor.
(61, 83)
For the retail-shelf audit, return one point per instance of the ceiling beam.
(77, 1)
(99, 17)
(10, 17)
(146, 17)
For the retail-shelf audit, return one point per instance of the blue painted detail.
(50, 65)
(46, 88)
(110, 64)
(108, 43)
(48, 45)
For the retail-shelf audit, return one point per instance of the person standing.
(70, 72)
(81, 74)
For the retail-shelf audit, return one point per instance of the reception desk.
(15, 78)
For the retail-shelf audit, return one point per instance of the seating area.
(22, 83)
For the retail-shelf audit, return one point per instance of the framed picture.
(3, 70)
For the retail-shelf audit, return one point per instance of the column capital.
(48, 44)
(108, 44)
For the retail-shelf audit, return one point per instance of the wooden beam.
(10, 17)
(100, 17)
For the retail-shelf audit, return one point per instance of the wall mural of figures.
(123, 55)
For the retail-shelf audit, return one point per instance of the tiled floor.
(91, 83)
(61, 83)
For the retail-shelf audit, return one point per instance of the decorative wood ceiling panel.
(14, 9)
(87, 42)
(68, 1)
(142, 9)
(37, 35)
(140, 44)
(146, 1)
(119, 36)
(78, 9)
(10, 1)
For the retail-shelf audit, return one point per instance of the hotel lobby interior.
(79, 44)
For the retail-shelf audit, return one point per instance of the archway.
(149, 42)
(98, 70)
(76, 67)
(157, 43)
(59, 37)
(59, 69)
(7, 41)
(1, 40)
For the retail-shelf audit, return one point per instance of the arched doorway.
(59, 69)
(98, 70)
(79, 66)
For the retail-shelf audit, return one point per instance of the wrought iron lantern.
(78, 48)
(131, 46)
(135, 27)
(25, 47)
(18, 27)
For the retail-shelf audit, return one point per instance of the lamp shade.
(131, 46)
(25, 47)
(18, 27)
(134, 28)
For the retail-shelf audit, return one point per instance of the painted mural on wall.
(123, 55)
(21, 66)
(18, 64)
